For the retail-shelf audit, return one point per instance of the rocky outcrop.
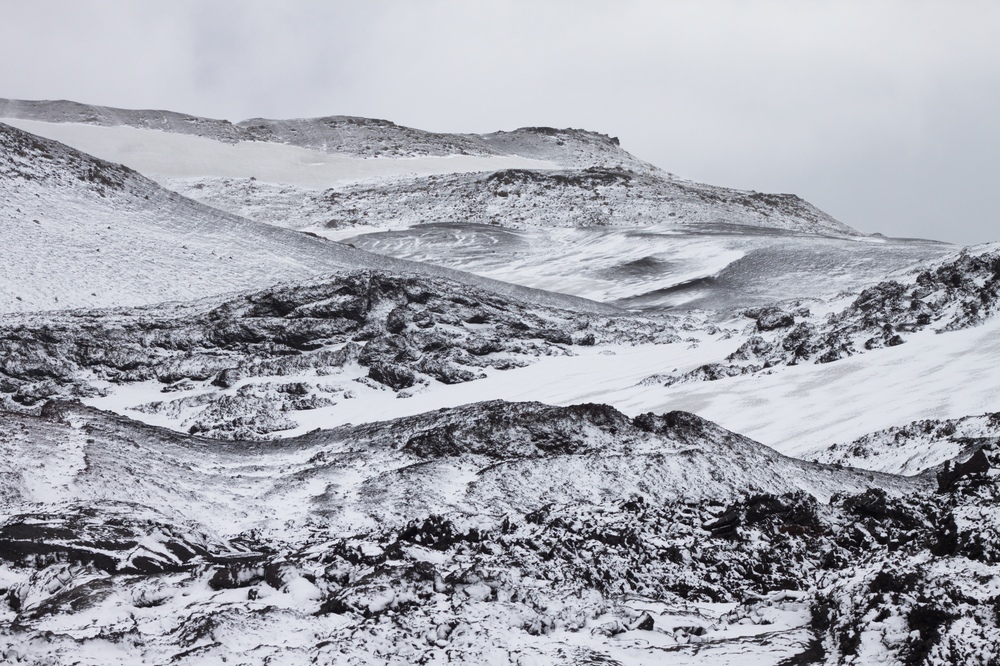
(920, 447)
(598, 195)
(512, 520)
(958, 292)
(407, 331)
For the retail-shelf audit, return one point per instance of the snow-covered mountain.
(468, 432)
(595, 196)
(343, 135)
(486, 533)
(415, 517)
(553, 204)
(238, 168)
(83, 232)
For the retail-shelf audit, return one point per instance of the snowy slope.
(342, 135)
(657, 267)
(916, 447)
(489, 534)
(436, 519)
(954, 292)
(165, 156)
(83, 232)
(513, 198)
(345, 349)
(226, 165)
(483, 460)
(693, 255)
(79, 231)
(564, 196)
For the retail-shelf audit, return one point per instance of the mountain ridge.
(579, 152)
(76, 224)
(362, 137)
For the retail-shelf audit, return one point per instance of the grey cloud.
(881, 113)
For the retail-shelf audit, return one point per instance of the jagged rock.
(978, 465)
(394, 376)
(771, 318)
(236, 575)
(644, 623)
(289, 330)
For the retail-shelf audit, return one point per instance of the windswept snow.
(655, 267)
(801, 408)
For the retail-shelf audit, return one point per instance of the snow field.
(162, 155)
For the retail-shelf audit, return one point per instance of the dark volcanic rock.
(958, 293)
(112, 538)
(392, 375)
(315, 328)
(771, 318)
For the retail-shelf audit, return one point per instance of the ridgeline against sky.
(881, 114)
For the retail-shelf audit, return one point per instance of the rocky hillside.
(596, 182)
(83, 232)
(956, 292)
(241, 366)
(514, 198)
(345, 135)
(469, 532)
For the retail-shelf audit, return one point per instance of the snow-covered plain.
(801, 408)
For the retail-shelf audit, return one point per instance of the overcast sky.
(884, 114)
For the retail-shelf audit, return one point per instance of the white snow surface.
(796, 410)
(81, 232)
(166, 155)
(656, 266)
